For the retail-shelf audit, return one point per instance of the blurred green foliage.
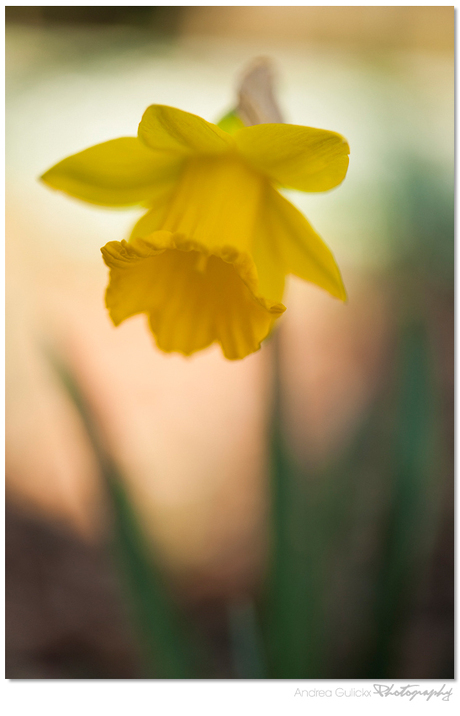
(169, 646)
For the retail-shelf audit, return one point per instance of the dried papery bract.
(256, 97)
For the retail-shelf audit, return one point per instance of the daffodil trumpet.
(207, 262)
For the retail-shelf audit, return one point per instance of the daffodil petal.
(298, 248)
(130, 274)
(267, 258)
(216, 203)
(170, 129)
(120, 172)
(192, 298)
(295, 157)
(149, 222)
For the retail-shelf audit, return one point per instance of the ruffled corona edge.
(193, 296)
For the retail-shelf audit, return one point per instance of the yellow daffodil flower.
(208, 260)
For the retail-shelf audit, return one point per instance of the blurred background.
(286, 516)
